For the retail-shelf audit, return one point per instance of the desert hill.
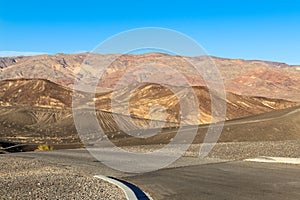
(143, 101)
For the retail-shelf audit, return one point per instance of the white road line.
(267, 159)
(128, 192)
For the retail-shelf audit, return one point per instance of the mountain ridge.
(65, 69)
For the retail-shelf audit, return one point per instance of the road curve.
(192, 178)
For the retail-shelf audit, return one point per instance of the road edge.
(129, 193)
(269, 159)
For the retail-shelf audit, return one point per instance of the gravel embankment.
(243, 150)
(235, 150)
(22, 178)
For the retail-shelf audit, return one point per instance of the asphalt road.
(229, 180)
(81, 159)
(191, 178)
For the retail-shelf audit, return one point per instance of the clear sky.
(268, 30)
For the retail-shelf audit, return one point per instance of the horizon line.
(4, 54)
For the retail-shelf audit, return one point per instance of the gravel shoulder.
(27, 178)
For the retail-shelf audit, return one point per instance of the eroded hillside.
(149, 101)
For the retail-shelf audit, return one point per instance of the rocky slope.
(260, 82)
(245, 77)
(34, 92)
(159, 102)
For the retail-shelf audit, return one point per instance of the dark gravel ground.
(25, 178)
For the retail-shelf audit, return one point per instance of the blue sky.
(267, 30)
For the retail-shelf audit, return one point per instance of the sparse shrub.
(44, 147)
